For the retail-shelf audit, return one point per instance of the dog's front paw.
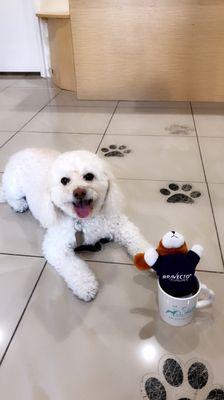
(86, 288)
(19, 206)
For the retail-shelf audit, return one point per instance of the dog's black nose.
(173, 232)
(79, 193)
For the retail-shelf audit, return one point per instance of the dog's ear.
(47, 211)
(114, 197)
(48, 214)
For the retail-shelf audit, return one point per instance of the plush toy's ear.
(139, 261)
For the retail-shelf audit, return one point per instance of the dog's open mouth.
(83, 208)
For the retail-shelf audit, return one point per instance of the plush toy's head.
(172, 239)
(171, 243)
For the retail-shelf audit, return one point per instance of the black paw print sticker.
(114, 151)
(180, 194)
(181, 382)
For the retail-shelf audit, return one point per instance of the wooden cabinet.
(61, 50)
(149, 49)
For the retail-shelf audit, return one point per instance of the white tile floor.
(158, 119)
(52, 346)
(70, 119)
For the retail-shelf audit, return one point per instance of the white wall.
(19, 37)
(52, 5)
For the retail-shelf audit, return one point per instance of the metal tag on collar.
(79, 237)
(78, 225)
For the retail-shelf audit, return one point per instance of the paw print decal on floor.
(181, 382)
(114, 151)
(177, 129)
(180, 194)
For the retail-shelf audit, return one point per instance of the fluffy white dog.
(69, 193)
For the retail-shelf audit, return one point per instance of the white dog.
(69, 193)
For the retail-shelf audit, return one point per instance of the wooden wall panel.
(62, 54)
(149, 49)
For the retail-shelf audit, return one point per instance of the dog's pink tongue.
(83, 212)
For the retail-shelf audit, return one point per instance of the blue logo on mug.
(181, 312)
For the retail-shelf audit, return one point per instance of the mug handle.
(210, 297)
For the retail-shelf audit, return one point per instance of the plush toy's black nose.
(79, 193)
(173, 232)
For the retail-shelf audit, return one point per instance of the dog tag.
(79, 236)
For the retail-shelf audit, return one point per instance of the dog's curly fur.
(32, 179)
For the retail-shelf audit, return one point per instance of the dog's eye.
(88, 177)
(65, 180)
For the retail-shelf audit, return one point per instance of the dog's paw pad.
(180, 382)
(195, 194)
(184, 398)
(216, 394)
(172, 372)
(181, 196)
(186, 187)
(115, 151)
(155, 389)
(197, 375)
(165, 192)
(173, 186)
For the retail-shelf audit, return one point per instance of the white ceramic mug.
(179, 311)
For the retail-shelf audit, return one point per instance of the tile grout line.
(20, 255)
(82, 106)
(55, 97)
(156, 180)
(38, 112)
(132, 265)
(8, 140)
(208, 189)
(112, 134)
(128, 264)
(23, 126)
(210, 272)
(58, 133)
(115, 109)
(159, 135)
(21, 316)
(4, 88)
(211, 137)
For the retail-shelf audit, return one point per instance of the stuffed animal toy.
(173, 263)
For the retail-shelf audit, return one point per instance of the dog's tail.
(2, 195)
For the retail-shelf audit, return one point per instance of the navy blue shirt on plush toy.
(176, 273)
(173, 263)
